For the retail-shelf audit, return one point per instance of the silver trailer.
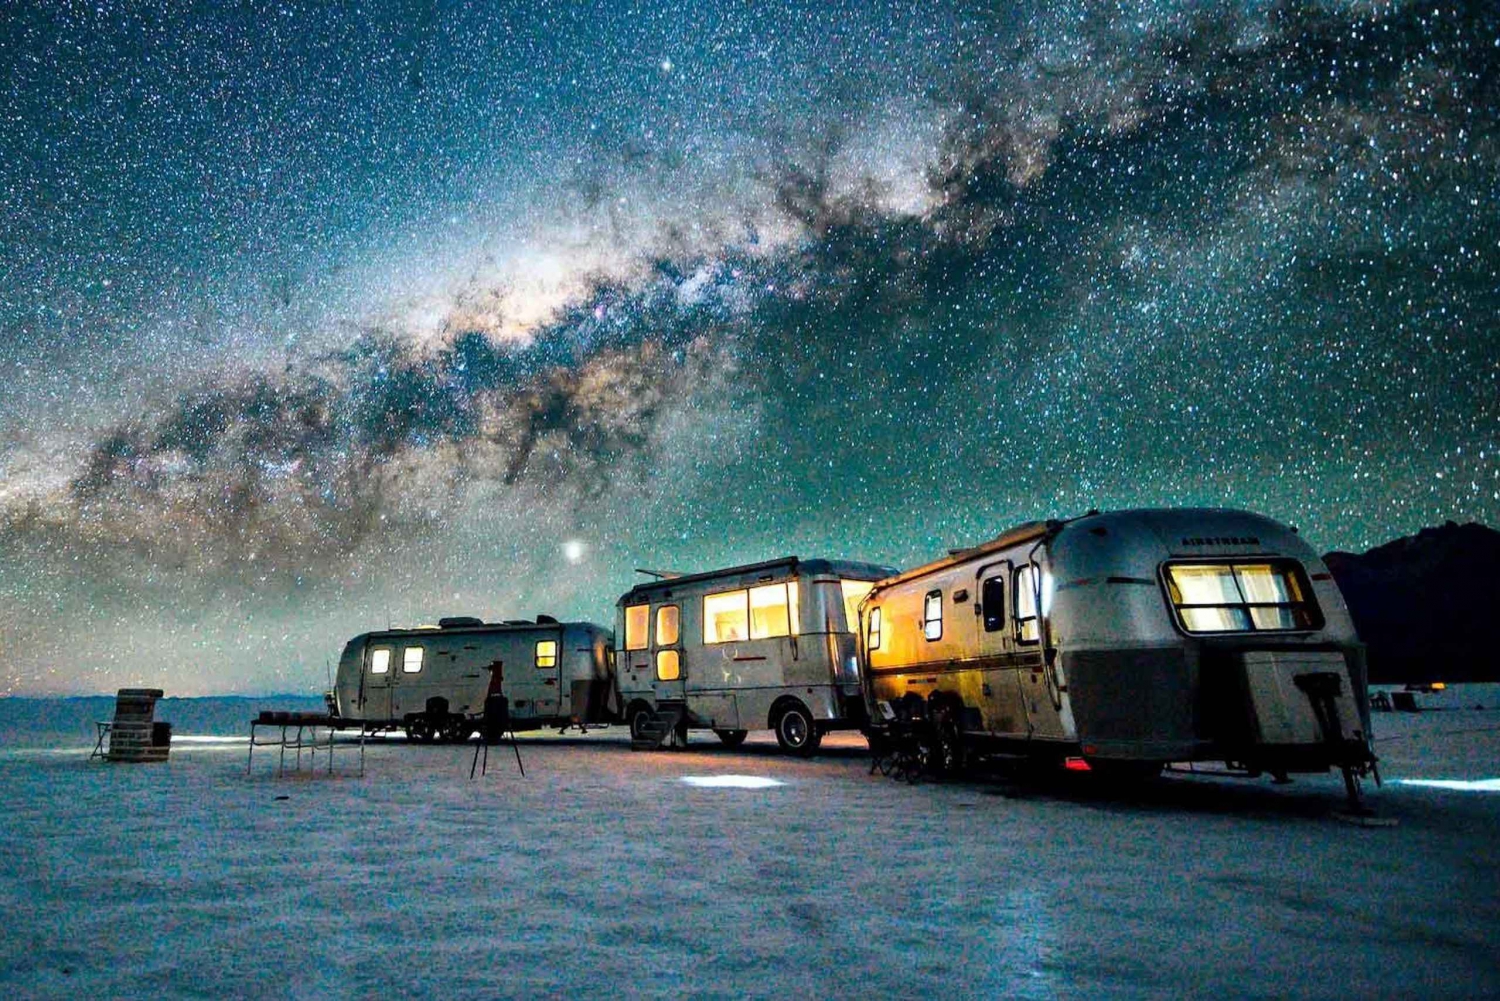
(434, 681)
(768, 645)
(1131, 639)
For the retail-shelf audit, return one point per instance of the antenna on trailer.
(659, 574)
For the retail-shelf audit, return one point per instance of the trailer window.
(637, 620)
(873, 639)
(668, 665)
(1028, 629)
(854, 593)
(932, 615)
(992, 602)
(1265, 595)
(380, 661)
(546, 653)
(773, 610)
(668, 625)
(411, 660)
(726, 617)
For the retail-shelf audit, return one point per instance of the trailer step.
(657, 732)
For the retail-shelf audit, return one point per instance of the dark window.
(932, 615)
(992, 600)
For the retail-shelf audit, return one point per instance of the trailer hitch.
(1322, 689)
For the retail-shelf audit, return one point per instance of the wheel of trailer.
(456, 731)
(420, 729)
(732, 738)
(640, 715)
(796, 732)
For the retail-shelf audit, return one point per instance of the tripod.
(496, 725)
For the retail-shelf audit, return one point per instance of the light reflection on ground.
(1467, 785)
(730, 781)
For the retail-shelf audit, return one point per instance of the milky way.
(312, 321)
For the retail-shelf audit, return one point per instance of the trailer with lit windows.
(768, 645)
(1130, 639)
(434, 682)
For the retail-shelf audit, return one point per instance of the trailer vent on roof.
(546, 620)
(458, 621)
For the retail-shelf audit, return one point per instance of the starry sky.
(318, 317)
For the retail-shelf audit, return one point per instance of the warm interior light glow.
(730, 781)
(769, 613)
(668, 625)
(725, 617)
(637, 619)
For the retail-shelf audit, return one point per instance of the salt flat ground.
(603, 873)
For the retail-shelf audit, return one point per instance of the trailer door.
(378, 678)
(546, 657)
(1038, 687)
(670, 674)
(533, 684)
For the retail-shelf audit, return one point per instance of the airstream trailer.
(433, 681)
(768, 645)
(1132, 639)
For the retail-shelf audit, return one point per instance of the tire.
(732, 738)
(639, 714)
(420, 730)
(796, 731)
(457, 730)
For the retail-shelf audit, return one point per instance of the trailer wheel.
(796, 732)
(640, 715)
(420, 729)
(732, 738)
(457, 730)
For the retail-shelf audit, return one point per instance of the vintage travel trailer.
(1131, 639)
(768, 645)
(433, 681)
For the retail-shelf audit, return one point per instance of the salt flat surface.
(606, 873)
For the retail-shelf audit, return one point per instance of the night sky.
(316, 317)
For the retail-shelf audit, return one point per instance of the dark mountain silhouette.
(1427, 605)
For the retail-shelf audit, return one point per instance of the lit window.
(546, 653)
(1240, 597)
(637, 620)
(1028, 629)
(992, 601)
(411, 660)
(770, 612)
(874, 637)
(380, 661)
(668, 665)
(726, 617)
(932, 615)
(668, 625)
(854, 593)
